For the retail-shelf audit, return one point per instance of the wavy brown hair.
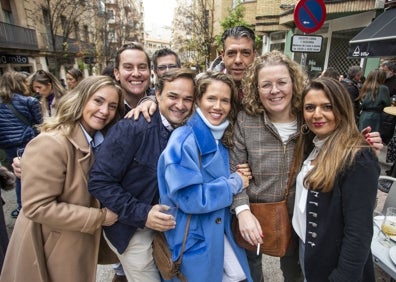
(371, 84)
(251, 100)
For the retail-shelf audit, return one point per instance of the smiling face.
(318, 113)
(100, 109)
(238, 54)
(275, 89)
(176, 99)
(215, 103)
(43, 89)
(133, 72)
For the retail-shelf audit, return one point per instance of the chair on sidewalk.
(390, 200)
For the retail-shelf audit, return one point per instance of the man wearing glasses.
(163, 60)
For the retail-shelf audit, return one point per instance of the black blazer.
(340, 225)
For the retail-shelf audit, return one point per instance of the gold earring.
(304, 129)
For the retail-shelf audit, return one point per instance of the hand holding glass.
(172, 211)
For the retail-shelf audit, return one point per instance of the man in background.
(352, 84)
(164, 60)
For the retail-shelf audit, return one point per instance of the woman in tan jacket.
(56, 237)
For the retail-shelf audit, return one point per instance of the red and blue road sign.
(309, 15)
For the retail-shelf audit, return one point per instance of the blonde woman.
(56, 236)
(50, 90)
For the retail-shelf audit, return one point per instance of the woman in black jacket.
(335, 189)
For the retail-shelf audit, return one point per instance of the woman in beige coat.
(56, 237)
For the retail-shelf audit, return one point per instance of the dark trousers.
(11, 153)
(289, 264)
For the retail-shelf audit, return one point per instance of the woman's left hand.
(374, 139)
(244, 169)
(110, 218)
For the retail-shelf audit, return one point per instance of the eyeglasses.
(267, 86)
(167, 67)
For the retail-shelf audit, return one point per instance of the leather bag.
(163, 256)
(275, 223)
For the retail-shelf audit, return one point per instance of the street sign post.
(309, 15)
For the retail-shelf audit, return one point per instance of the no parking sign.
(309, 15)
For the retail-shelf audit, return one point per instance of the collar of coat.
(204, 138)
(78, 140)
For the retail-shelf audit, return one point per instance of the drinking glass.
(388, 226)
(172, 211)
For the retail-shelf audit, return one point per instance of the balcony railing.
(13, 36)
(70, 46)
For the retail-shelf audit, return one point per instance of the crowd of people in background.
(99, 161)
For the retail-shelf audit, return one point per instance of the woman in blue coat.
(194, 175)
(19, 115)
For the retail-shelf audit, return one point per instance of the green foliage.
(235, 18)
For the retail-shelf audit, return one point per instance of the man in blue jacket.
(124, 175)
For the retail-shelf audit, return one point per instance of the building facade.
(273, 21)
(59, 34)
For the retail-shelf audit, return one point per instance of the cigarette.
(258, 248)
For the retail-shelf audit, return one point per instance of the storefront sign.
(13, 59)
(306, 43)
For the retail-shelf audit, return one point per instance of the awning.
(378, 39)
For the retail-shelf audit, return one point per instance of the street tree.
(195, 19)
(67, 24)
(235, 18)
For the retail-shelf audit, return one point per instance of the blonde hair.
(71, 105)
(251, 100)
(203, 82)
(12, 82)
(44, 77)
(342, 145)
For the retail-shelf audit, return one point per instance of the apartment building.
(65, 33)
(273, 21)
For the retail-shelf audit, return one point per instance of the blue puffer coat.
(13, 131)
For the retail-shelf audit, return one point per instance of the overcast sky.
(157, 15)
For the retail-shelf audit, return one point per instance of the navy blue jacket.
(13, 131)
(124, 175)
(340, 225)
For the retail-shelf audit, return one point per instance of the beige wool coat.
(56, 236)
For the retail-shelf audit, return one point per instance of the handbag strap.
(18, 114)
(290, 179)
(179, 260)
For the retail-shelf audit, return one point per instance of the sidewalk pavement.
(271, 266)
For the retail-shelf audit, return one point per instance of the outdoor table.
(381, 253)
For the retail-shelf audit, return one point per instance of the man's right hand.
(147, 108)
(157, 220)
